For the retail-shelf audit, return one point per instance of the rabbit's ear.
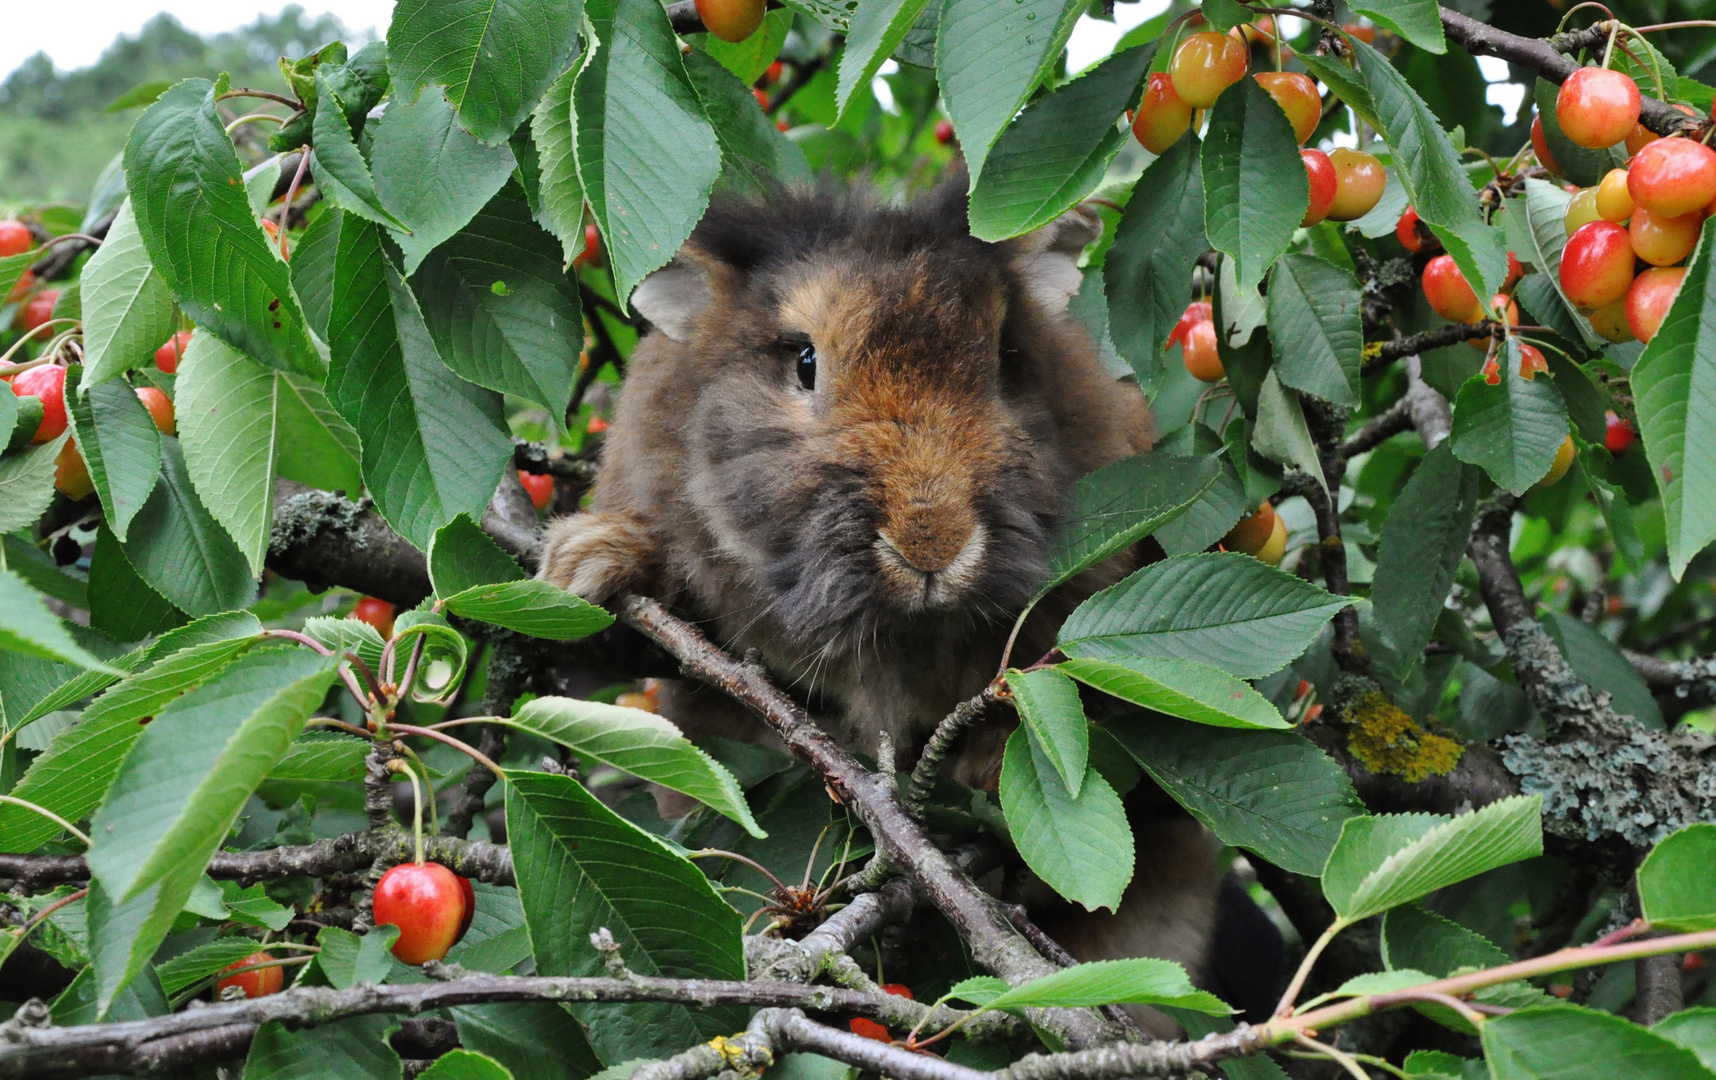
(674, 297)
(1046, 260)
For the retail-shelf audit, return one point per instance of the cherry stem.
(1339, 1057)
(1285, 1006)
(1609, 52)
(7, 368)
(328, 722)
(266, 95)
(396, 765)
(717, 853)
(40, 916)
(291, 194)
(85, 237)
(441, 736)
(50, 815)
(1627, 932)
(1607, 14)
(346, 676)
(1689, 24)
(429, 787)
(251, 118)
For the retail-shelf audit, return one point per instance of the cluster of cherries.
(1345, 184)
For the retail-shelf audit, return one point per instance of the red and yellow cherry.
(1514, 272)
(427, 903)
(1673, 177)
(1360, 179)
(15, 238)
(1161, 117)
(1614, 201)
(1597, 265)
(731, 20)
(1196, 312)
(1663, 241)
(167, 357)
(273, 231)
(26, 282)
(469, 896)
(1581, 210)
(47, 382)
(762, 97)
(1261, 32)
(259, 983)
(71, 473)
(1406, 231)
(1366, 34)
(1642, 136)
(1531, 362)
(38, 311)
(869, 1028)
(944, 131)
(1540, 146)
(1650, 297)
(1618, 434)
(1558, 468)
(1200, 355)
(1297, 95)
(1275, 548)
(1610, 321)
(1320, 174)
(540, 488)
(1252, 532)
(1505, 307)
(160, 407)
(592, 253)
(1205, 65)
(378, 613)
(1446, 290)
(1597, 107)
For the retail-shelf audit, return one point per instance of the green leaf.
(1271, 792)
(1513, 429)
(434, 446)
(251, 906)
(1139, 981)
(178, 547)
(1672, 390)
(647, 155)
(1281, 434)
(315, 446)
(495, 57)
(1255, 187)
(462, 556)
(1677, 880)
(1222, 503)
(537, 1040)
(122, 604)
(1418, 21)
(1596, 660)
(72, 775)
(1049, 707)
(443, 645)
(756, 158)
(341, 172)
(123, 938)
(1224, 609)
(1183, 688)
(749, 60)
(27, 484)
(322, 756)
(1567, 1043)
(347, 959)
(1121, 503)
(1315, 328)
(1537, 231)
(989, 57)
(501, 310)
(1382, 982)
(1423, 540)
(184, 783)
(1081, 847)
(464, 1065)
(1694, 1029)
(120, 444)
(637, 742)
(431, 173)
(187, 191)
(531, 607)
(1148, 270)
(1416, 939)
(1385, 861)
(1056, 152)
(876, 30)
(127, 305)
(581, 867)
(562, 195)
(189, 969)
(355, 1048)
(27, 627)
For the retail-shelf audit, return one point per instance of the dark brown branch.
(942, 740)
(1378, 430)
(1453, 334)
(58, 262)
(1691, 682)
(976, 915)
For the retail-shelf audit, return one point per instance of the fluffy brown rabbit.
(846, 445)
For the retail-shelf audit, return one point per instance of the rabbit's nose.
(931, 539)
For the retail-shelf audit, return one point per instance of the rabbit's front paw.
(595, 555)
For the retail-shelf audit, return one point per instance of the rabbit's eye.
(807, 367)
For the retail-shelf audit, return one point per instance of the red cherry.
(944, 131)
(15, 238)
(26, 282)
(592, 253)
(1504, 306)
(1406, 231)
(1531, 362)
(596, 426)
(762, 97)
(1597, 265)
(1251, 532)
(1492, 372)
(427, 903)
(731, 20)
(1320, 173)
(1663, 241)
(1366, 34)
(48, 383)
(1447, 291)
(773, 74)
(469, 895)
(1161, 117)
(869, 1029)
(1541, 146)
(1597, 107)
(71, 472)
(540, 488)
(782, 126)
(1673, 177)
(255, 984)
(1297, 95)
(1618, 434)
(38, 311)
(1200, 355)
(1514, 272)
(1650, 297)
(1206, 64)
(1361, 179)
(160, 407)
(1610, 321)
(167, 357)
(1196, 312)
(378, 613)
(898, 990)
